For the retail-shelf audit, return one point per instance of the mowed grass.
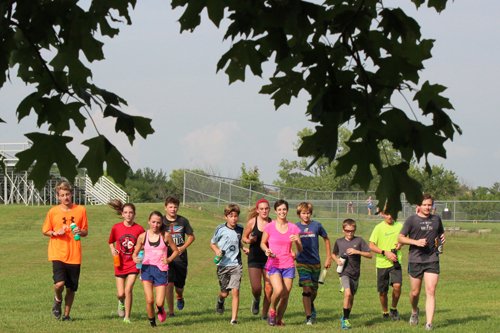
(467, 294)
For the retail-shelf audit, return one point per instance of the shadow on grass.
(464, 320)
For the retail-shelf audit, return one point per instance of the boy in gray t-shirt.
(355, 248)
(421, 231)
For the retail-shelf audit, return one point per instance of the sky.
(201, 122)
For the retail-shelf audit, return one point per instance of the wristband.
(383, 252)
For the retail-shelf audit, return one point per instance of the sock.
(256, 299)
(346, 313)
(218, 300)
(178, 297)
(152, 321)
(55, 298)
(308, 317)
(393, 309)
(160, 309)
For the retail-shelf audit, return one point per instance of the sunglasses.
(350, 231)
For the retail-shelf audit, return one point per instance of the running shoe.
(309, 321)
(126, 320)
(414, 317)
(385, 315)
(313, 311)
(219, 307)
(234, 322)
(180, 303)
(395, 315)
(56, 309)
(280, 323)
(429, 327)
(271, 320)
(346, 325)
(255, 306)
(171, 315)
(121, 309)
(68, 318)
(264, 317)
(162, 315)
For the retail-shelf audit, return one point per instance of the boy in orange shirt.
(64, 251)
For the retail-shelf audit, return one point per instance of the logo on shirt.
(127, 244)
(388, 234)
(177, 233)
(426, 225)
(306, 233)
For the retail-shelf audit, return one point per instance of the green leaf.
(129, 124)
(215, 9)
(440, 5)
(32, 101)
(242, 54)
(102, 151)
(109, 97)
(361, 154)
(394, 180)
(41, 156)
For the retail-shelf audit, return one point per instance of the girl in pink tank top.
(155, 264)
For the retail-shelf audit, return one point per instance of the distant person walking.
(350, 206)
(369, 205)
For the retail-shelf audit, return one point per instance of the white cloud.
(285, 142)
(208, 144)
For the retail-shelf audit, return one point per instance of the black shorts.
(417, 270)
(69, 273)
(177, 273)
(258, 265)
(386, 274)
(124, 276)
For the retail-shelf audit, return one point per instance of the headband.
(261, 200)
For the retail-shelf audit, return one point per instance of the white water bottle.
(340, 268)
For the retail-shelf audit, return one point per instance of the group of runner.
(272, 262)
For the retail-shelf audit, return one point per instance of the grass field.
(467, 294)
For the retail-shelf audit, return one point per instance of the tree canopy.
(351, 56)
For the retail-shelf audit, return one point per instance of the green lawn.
(467, 293)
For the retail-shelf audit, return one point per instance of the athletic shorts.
(259, 265)
(69, 273)
(349, 283)
(286, 273)
(177, 274)
(124, 276)
(417, 270)
(386, 274)
(229, 277)
(308, 275)
(153, 274)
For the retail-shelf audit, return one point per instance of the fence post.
(454, 217)
(184, 190)
(250, 195)
(218, 200)
(338, 216)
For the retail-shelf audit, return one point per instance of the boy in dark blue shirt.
(308, 261)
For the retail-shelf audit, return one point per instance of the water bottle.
(343, 259)
(270, 262)
(439, 245)
(140, 256)
(217, 259)
(322, 276)
(397, 265)
(116, 260)
(73, 226)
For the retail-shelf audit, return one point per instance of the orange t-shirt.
(64, 247)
